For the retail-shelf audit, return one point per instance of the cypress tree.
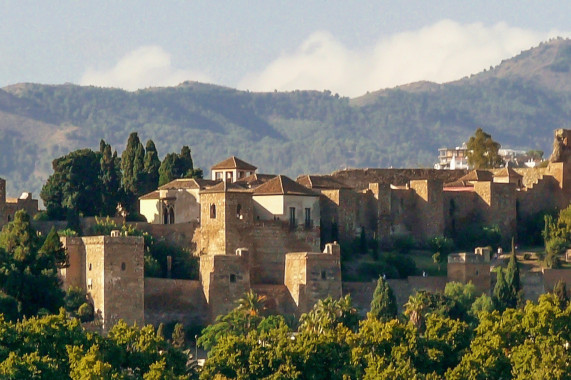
(151, 167)
(110, 178)
(513, 279)
(168, 169)
(186, 165)
(132, 168)
(502, 293)
(383, 305)
(132, 164)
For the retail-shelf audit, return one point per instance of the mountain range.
(519, 102)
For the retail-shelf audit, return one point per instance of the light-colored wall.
(236, 174)
(269, 207)
(186, 206)
(266, 207)
(151, 210)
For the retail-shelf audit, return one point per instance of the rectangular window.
(292, 217)
(218, 175)
(229, 176)
(307, 218)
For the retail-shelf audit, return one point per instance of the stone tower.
(226, 219)
(111, 271)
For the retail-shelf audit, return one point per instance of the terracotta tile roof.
(255, 180)
(282, 185)
(320, 182)
(477, 175)
(152, 195)
(508, 172)
(233, 163)
(188, 183)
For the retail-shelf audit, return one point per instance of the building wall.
(269, 207)
(74, 274)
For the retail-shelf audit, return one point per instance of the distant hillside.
(519, 102)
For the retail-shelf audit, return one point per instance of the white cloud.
(441, 52)
(147, 66)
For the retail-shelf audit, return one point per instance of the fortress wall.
(271, 240)
(278, 298)
(360, 178)
(460, 208)
(168, 300)
(403, 215)
(545, 195)
(429, 209)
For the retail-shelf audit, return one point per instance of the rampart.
(168, 300)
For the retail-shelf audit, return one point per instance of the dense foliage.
(455, 339)
(29, 282)
(89, 183)
(57, 347)
(483, 151)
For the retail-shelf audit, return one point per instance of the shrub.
(85, 312)
(527, 256)
(41, 216)
(404, 265)
(555, 246)
(368, 271)
(403, 243)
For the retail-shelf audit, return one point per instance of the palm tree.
(252, 303)
(416, 307)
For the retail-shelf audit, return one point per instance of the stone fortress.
(280, 237)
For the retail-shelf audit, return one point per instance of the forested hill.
(519, 102)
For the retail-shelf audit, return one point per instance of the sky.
(347, 47)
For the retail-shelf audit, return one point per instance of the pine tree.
(483, 151)
(383, 305)
(502, 293)
(151, 167)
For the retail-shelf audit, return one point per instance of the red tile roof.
(233, 163)
(282, 185)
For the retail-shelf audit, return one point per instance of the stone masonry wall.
(271, 240)
(168, 300)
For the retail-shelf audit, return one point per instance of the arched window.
(171, 215)
(165, 216)
(212, 211)
(123, 266)
(239, 211)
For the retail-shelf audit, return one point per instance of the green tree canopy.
(384, 304)
(483, 151)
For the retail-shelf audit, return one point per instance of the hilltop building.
(280, 237)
